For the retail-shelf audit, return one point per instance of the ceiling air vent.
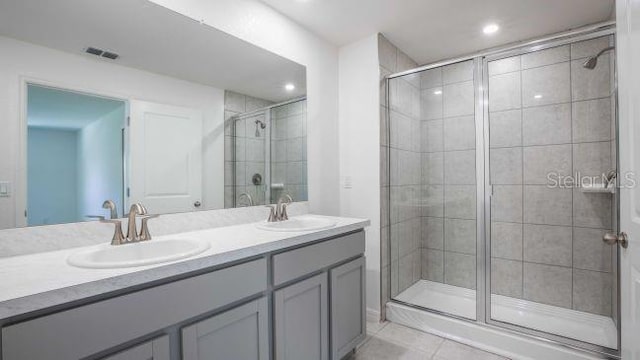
(99, 52)
(94, 51)
(110, 55)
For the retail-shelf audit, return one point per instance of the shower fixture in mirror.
(110, 103)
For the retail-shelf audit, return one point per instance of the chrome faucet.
(111, 206)
(132, 233)
(279, 211)
(249, 198)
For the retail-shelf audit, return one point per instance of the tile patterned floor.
(388, 341)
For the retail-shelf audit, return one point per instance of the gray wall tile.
(546, 85)
(547, 284)
(462, 71)
(506, 203)
(460, 236)
(506, 166)
(433, 168)
(589, 251)
(550, 206)
(592, 291)
(458, 99)
(504, 66)
(387, 53)
(506, 240)
(544, 125)
(432, 136)
(506, 277)
(592, 159)
(588, 48)
(505, 128)
(431, 103)
(592, 209)
(592, 120)
(460, 201)
(433, 233)
(459, 133)
(545, 244)
(540, 161)
(591, 84)
(433, 200)
(433, 265)
(460, 167)
(431, 78)
(505, 92)
(460, 270)
(546, 57)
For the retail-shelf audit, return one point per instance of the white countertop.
(35, 282)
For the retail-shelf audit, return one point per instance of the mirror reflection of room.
(104, 118)
(74, 155)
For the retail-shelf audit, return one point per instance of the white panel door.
(165, 145)
(628, 56)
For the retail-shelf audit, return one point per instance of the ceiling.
(431, 30)
(153, 38)
(58, 109)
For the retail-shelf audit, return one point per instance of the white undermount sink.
(136, 254)
(298, 223)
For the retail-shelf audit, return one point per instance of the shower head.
(259, 125)
(592, 61)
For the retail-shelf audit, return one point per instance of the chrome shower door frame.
(541, 335)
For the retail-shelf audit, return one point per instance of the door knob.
(197, 204)
(612, 239)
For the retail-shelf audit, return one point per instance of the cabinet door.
(240, 333)
(157, 349)
(301, 320)
(348, 315)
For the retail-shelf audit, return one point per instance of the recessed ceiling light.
(289, 87)
(490, 29)
(437, 92)
(537, 96)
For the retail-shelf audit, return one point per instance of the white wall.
(255, 22)
(100, 172)
(360, 149)
(21, 61)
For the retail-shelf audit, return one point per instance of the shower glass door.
(433, 189)
(552, 143)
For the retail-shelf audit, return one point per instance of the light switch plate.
(5, 189)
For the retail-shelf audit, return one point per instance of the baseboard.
(373, 315)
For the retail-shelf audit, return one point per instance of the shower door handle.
(612, 239)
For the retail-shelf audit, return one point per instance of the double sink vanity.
(292, 289)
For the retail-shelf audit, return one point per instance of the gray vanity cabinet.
(301, 319)
(157, 349)
(299, 303)
(239, 333)
(348, 315)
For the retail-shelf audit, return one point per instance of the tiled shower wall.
(243, 151)
(449, 175)
(405, 223)
(548, 114)
(289, 151)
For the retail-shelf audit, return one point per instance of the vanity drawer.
(90, 329)
(296, 263)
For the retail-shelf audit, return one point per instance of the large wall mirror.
(107, 103)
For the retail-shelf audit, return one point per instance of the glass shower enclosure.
(267, 155)
(501, 177)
